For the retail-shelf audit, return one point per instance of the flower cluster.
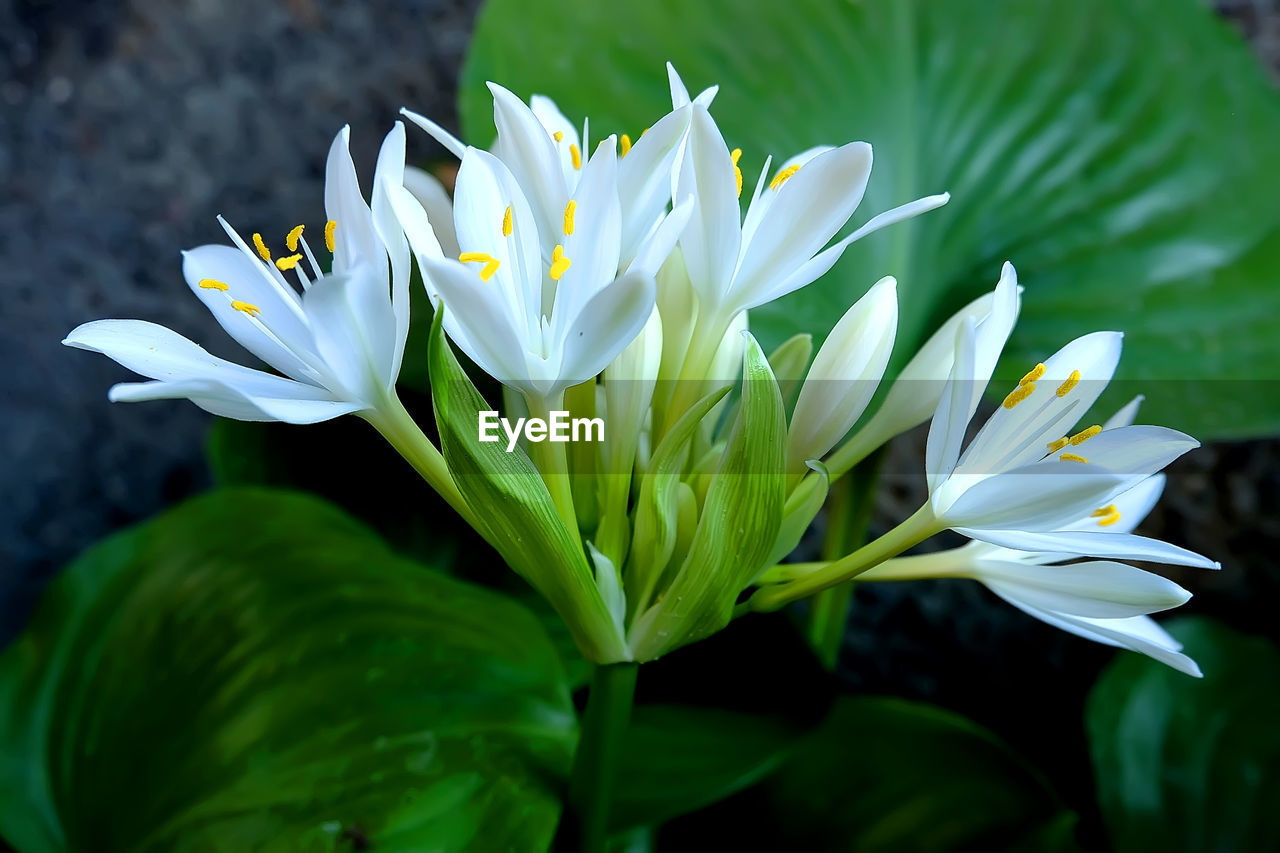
(614, 281)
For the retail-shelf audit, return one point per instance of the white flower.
(548, 159)
(339, 342)
(1029, 466)
(734, 263)
(535, 319)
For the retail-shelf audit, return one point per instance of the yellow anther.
(559, 263)
(783, 176)
(251, 310)
(506, 222)
(624, 145)
(1055, 446)
(1084, 435)
(1110, 519)
(1032, 375)
(576, 156)
(1109, 509)
(569, 210)
(735, 155)
(212, 284)
(643, 132)
(288, 263)
(1017, 395)
(263, 251)
(491, 263)
(1071, 457)
(487, 271)
(1072, 381)
(329, 228)
(558, 135)
(291, 239)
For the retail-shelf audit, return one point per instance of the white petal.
(1135, 451)
(1138, 633)
(230, 401)
(594, 245)
(1093, 543)
(530, 154)
(679, 92)
(354, 334)
(387, 177)
(844, 375)
(710, 242)
(419, 229)
(1096, 589)
(808, 210)
(1033, 497)
(658, 246)
(438, 133)
(607, 324)
(644, 178)
(765, 194)
(554, 121)
(437, 204)
(1126, 415)
(1134, 506)
(479, 323)
(356, 241)
(286, 344)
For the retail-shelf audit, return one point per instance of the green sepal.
(738, 525)
(801, 509)
(510, 499)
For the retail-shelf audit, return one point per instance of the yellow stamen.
(558, 135)
(288, 263)
(1109, 509)
(1055, 446)
(291, 240)
(212, 284)
(263, 251)
(643, 132)
(506, 222)
(783, 176)
(569, 210)
(1071, 457)
(487, 271)
(1072, 381)
(576, 156)
(251, 310)
(1017, 395)
(491, 263)
(559, 263)
(1034, 374)
(329, 228)
(1084, 435)
(624, 145)
(1109, 520)
(735, 155)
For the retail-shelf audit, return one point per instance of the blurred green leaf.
(1118, 151)
(1190, 764)
(887, 774)
(254, 670)
(678, 758)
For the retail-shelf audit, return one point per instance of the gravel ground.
(127, 124)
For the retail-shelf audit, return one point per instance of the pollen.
(1110, 519)
(506, 222)
(246, 307)
(288, 263)
(491, 263)
(1034, 374)
(576, 156)
(558, 135)
(569, 210)
(1071, 457)
(735, 155)
(1055, 446)
(213, 284)
(291, 240)
(1065, 388)
(624, 145)
(559, 263)
(1017, 395)
(783, 176)
(263, 251)
(1084, 435)
(329, 228)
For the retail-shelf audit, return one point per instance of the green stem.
(552, 462)
(401, 431)
(595, 763)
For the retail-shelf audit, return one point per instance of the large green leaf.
(887, 774)
(256, 671)
(1118, 151)
(1191, 764)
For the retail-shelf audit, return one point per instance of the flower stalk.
(595, 764)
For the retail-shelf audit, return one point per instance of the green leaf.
(887, 774)
(1117, 151)
(1190, 764)
(254, 670)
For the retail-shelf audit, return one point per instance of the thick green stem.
(595, 764)
(401, 431)
(552, 462)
